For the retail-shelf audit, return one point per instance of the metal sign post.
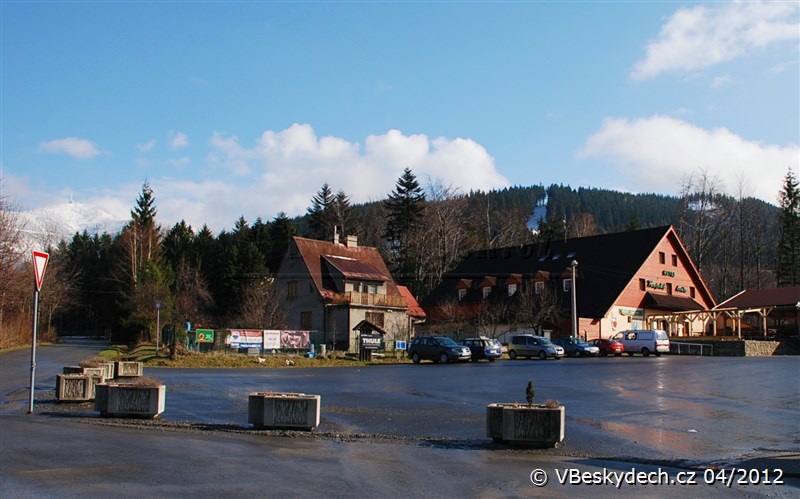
(39, 265)
(158, 325)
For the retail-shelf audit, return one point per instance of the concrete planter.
(96, 371)
(129, 369)
(520, 424)
(296, 411)
(110, 369)
(76, 387)
(126, 400)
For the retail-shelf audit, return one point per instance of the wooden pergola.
(736, 315)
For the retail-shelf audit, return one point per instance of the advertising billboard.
(245, 338)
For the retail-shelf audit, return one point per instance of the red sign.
(39, 265)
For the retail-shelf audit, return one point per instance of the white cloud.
(698, 37)
(284, 169)
(177, 140)
(147, 146)
(72, 146)
(651, 154)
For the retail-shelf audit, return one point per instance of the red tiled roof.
(313, 251)
(414, 310)
(773, 297)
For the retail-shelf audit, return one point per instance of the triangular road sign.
(39, 265)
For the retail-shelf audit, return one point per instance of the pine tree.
(321, 216)
(404, 208)
(280, 233)
(404, 215)
(343, 215)
(148, 279)
(789, 230)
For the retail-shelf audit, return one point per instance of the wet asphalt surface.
(416, 430)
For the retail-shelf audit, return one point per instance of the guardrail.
(684, 348)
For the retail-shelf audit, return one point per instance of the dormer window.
(567, 285)
(462, 293)
(486, 292)
(512, 288)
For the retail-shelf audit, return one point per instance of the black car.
(483, 348)
(438, 349)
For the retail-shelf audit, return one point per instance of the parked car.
(645, 342)
(528, 345)
(483, 348)
(575, 346)
(439, 349)
(609, 346)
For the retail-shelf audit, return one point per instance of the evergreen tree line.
(112, 283)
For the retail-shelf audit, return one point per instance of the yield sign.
(39, 266)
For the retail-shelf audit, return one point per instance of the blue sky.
(247, 108)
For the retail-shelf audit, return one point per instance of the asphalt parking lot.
(413, 429)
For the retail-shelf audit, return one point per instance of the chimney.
(335, 235)
(352, 241)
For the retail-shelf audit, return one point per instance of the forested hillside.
(110, 282)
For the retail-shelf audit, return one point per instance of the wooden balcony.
(366, 300)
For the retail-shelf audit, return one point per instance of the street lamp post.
(573, 265)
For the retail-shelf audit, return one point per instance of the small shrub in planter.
(540, 425)
(142, 398)
(100, 363)
(272, 410)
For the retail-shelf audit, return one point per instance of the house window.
(462, 293)
(373, 289)
(691, 291)
(674, 260)
(375, 318)
(642, 284)
(538, 287)
(291, 290)
(486, 291)
(669, 288)
(512, 288)
(567, 285)
(662, 257)
(305, 320)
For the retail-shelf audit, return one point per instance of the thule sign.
(371, 341)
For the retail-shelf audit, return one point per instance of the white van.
(645, 342)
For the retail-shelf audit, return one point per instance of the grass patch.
(147, 354)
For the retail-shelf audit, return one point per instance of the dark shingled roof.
(754, 298)
(606, 264)
(670, 302)
(355, 269)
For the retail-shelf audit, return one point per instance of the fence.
(684, 348)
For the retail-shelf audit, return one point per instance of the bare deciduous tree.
(537, 310)
(260, 309)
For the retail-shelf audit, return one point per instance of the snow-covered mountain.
(48, 226)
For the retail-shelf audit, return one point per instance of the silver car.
(528, 346)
